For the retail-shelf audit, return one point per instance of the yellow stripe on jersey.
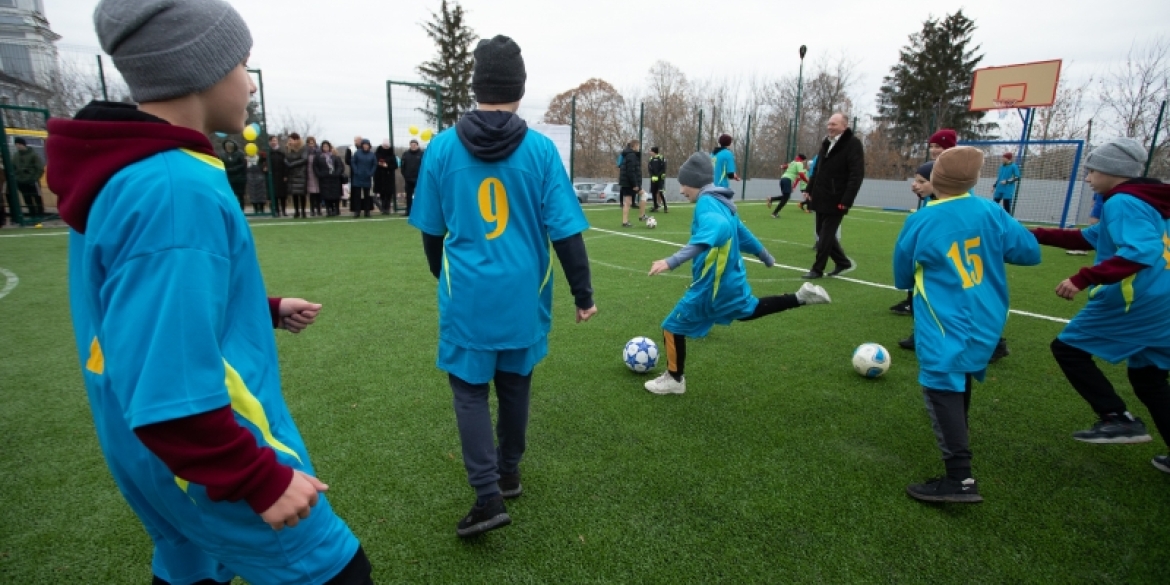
(717, 259)
(920, 288)
(211, 160)
(548, 272)
(96, 362)
(1127, 291)
(447, 264)
(245, 404)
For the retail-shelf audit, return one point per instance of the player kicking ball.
(719, 293)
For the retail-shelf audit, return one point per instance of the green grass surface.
(779, 465)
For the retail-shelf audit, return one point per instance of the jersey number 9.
(493, 206)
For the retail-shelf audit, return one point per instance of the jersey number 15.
(967, 262)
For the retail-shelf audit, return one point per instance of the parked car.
(584, 191)
(608, 193)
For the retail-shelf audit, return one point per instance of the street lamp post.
(799, 91)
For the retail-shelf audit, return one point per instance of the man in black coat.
(630, 180)
(279, 175)
(411, 163)
(833, 188)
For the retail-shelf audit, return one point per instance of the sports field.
(779, 464)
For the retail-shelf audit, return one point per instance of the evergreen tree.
(452, 66)
(930, 86)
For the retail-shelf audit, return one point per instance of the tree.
(452, 67)
(287, 121)
(1132, 94)
(601, 131)
(930, 86)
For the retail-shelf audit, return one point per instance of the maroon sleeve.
(1067, 239)
(1115, 269)
(274, 311)
(212, 450)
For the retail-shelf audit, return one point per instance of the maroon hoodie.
(209, 449)
(1151, 191)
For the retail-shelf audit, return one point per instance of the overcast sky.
(331, 58)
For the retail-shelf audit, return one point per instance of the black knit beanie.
(499, 75)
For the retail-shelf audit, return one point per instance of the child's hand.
(297, 314)
(1067, 290)
(658, 267)
(586, 314)
(296, 503)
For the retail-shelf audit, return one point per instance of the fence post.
(573, 139)
(699, 138)
(390, 117)
(1031, 117)
(642, 124)
(1154, 142)
(439, 102)
(747, 159)
(102, 76)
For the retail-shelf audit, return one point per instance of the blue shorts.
(479, 366)
(691, 319)
(1115, 352)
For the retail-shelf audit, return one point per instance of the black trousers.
(785, 195)
(315, 203)
(828, 246)
(360, 200)
(357, 572)
(657, 191)
(948, 417)
(1149, 385)
(299, 203)
(410, 183)
(32, 198)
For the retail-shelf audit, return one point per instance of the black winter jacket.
(656, 167)
(838, 175)
(631, 171)
(411, 163)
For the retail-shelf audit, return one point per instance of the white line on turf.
(10, 282)
(843, 278)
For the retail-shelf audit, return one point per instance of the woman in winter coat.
(312, 153)
(384, 182)
(236, 167)
(258, 183)
(296, 163)
(365, 163)
(330, 171)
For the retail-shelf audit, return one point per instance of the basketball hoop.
(1004, 106)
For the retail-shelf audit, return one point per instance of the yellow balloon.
(427, 135)
(250, 133)
(250, 149)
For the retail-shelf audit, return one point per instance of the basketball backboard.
(1028, 85)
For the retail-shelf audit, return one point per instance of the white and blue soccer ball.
(871, 360)
(651, 222)
(640, 355)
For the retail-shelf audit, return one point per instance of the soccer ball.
(871, 360)
(651, 222)
(640, 355)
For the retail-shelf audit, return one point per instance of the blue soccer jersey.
(1003, 188)
(953, 254)
(719, 291)
(171, 320)
(724, 163)
(499, 220)
(1128, 320)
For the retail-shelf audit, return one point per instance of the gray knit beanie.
(1120, 157)
(499, 75)
(171, 48)
(697, 172)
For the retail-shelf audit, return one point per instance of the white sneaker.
(666, 384)
(1077, 252)
(811, 294)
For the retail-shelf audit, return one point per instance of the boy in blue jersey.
(170, 313)
(723, 161)
(719, 293)
(493, 201)
(1127, 317)
(1005, 182)
(953, 254)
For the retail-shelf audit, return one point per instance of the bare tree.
(286, 122)
(1132, 92)
(600, 130)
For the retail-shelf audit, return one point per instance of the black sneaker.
(1162, 462)
(1001, 351)
(481, 519)
(903, 308)
(626, 224)
(907, 343)
(1115, 429)
(945, 489)
(510, 486)
(838, 270)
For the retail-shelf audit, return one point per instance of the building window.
(15, 61)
